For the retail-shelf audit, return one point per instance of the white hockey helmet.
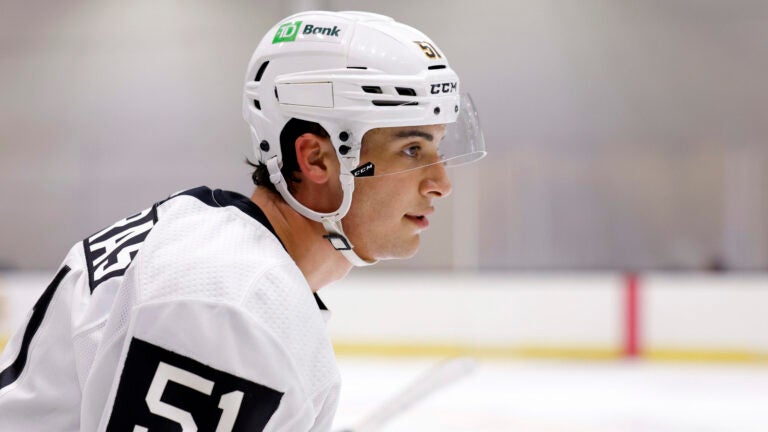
(351, 72)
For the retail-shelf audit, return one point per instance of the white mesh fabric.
(283, 301)
(85, 345)
(207, 253)
(326, 403)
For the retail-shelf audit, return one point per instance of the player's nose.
(436, 183)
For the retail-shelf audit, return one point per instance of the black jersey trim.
(203, 193)
(320, 303)
(10, 374)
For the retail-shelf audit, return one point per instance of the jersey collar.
(227, 198)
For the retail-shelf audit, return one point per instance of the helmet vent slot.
(404, 91)
(257, 104)
(262, 68)
(372, 89)
(391, 103)
(357, 67)
(436, 67)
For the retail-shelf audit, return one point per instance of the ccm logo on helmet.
(448, 87)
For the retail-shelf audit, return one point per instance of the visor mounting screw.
(437, 110)
(344, 149)
(455, 108)
(264, 146)
(344, 136)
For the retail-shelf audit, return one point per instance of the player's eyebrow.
(410, 133)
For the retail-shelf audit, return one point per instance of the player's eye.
(412, 150)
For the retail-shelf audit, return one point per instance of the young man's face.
(389, 212)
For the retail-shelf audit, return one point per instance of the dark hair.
(292, 130)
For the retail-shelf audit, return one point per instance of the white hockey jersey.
(189, 316)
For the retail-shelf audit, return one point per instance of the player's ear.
(312, 155)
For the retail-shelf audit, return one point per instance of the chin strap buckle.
(338, 241)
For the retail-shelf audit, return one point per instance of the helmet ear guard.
(349, 72)
(331, 221)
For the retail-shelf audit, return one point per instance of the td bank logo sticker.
(287, 32)
(300, 31)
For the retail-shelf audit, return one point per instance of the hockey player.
(199, 313)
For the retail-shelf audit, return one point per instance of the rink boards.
(589, 316)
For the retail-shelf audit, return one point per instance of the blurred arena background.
(607, 263)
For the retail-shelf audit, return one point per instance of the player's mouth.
(420, 218)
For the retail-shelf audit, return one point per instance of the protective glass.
(388, 151)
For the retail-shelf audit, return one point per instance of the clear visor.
(396, 150)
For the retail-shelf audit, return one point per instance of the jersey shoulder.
(208, 245)
(189, 226)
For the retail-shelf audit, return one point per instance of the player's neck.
(320, 263)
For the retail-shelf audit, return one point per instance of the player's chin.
(403, 249)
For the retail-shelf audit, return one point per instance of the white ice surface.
(560, 396)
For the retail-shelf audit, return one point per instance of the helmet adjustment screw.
(264, 146)
(437, 110)
(344, 136)
(344, 149)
